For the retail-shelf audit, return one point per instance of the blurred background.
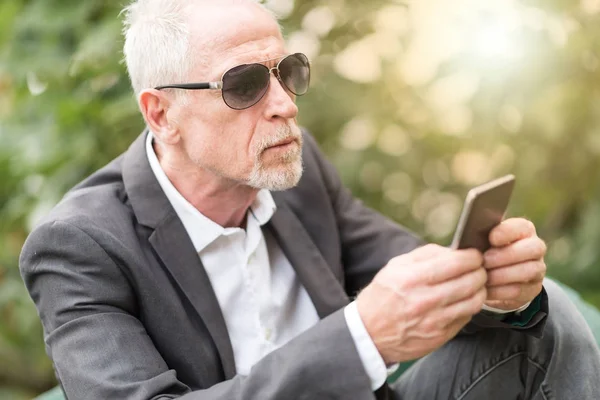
(415, 102)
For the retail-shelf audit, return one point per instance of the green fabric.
(515, 319)
(54, 394)
(525, 316)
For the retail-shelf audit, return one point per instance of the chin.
(276, 179)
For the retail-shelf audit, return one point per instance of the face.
(259, 146)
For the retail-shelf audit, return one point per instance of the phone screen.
(484, 208)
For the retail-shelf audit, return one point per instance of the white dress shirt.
(262, 300)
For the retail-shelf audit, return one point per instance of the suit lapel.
(174, 247)
(325, 291)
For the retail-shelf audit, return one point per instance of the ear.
(155, 107)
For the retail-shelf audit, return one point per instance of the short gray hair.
(157, 44)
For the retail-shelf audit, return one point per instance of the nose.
(280, 102)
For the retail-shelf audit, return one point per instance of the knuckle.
(529, 226)
(479, 299)
(530, 272)
(410, 311)
(516, 291)
(416, 277)
(465, 259)
(404, 284)
(429, 274)
(483, 294)
(471, 308)
(538, 247)
(429, 325)
(435, 299)
(492, 293)
(475, 307)
(543, 247)
(483, 276)
(475, 256)
(477, 279)
(431, 248)
(536, 271)
(493, 277)
(415, 309)
(542, 271)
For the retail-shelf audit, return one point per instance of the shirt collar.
(202, 230)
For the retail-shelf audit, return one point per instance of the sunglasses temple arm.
(193, 86)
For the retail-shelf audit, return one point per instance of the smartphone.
(484, 208)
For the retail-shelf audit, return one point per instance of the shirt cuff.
(369, 355)
(500, 311)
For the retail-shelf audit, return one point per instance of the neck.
(223, 201)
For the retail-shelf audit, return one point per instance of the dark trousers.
(501, 364)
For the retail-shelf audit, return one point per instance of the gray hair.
(157, 44)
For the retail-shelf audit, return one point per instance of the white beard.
(288, 172)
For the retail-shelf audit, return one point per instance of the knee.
(566, 326)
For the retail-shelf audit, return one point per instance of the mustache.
(283, 132)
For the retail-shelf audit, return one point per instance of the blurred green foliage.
(414, 102)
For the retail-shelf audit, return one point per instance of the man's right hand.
(421, 300)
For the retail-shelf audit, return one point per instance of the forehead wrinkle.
(254, 52)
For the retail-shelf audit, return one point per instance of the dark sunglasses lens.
(245, 85)
(294, 71)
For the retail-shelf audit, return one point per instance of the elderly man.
(217, 258)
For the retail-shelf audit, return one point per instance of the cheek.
(241, 137)
(224, 149)
(222, 138)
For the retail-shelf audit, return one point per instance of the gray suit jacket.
(129, 312)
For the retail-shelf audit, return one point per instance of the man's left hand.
(515, 264)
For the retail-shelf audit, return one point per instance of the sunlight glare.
(494, 41)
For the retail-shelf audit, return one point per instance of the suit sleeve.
(369, 241)
(101, 350)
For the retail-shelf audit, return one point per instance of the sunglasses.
(243, 86)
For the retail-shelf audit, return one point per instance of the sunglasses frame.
(219, 84)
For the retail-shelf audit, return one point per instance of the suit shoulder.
(98, 201)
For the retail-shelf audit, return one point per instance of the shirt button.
(268, 333)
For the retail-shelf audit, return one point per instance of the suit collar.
(148, 200)
(202, 230)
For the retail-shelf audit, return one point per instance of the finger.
(440, 328)
(450, 265)
(528, 249)
(454, 328)
(428, 251)
(425, 252)
(530, 271)
(450, 319)
(465, 308)
(511, 230)
(464, 286)
(520, 293)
